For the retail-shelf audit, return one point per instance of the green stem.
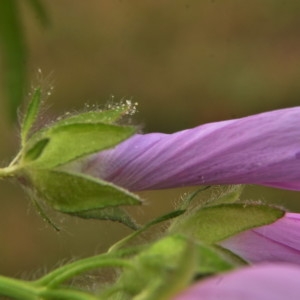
(163, 218)
(8, 171)
(125, 240)
(17, 289)
(44, 288)
(65, 294)
(22, 290)
(109, 292)
(66, 272)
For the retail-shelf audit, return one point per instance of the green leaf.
(116, 214)
(31, 114)
(14, 53)
(40, 11)
(215, 223)
(72, 141)
(78, 193)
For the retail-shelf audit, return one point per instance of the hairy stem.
(68, 271)
(17, 289)
(65, 294)
(8, 171)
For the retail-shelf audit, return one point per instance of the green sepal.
(115, 214)
(214, 260)
(230, 195)
(187, 199)
(171, 280)
(72, 141)
(36, 151)
(212, 224)
(231, 258)
(109, 116)
(40, 209)
(31, 114)
(152, 268)
(166, 267)
(226, 194)
(158, 220)
(78, 193)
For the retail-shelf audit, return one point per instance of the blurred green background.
(185, 63)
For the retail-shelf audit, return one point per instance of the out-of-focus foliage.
(40, 11)
(14, 51)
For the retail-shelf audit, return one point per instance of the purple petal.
(259, 282)
(276, 242)
(260, 149)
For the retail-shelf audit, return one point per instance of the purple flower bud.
(260, 149)
(276, 242)
(259, 282)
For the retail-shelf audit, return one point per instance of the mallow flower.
(257, 282)
(260, 149)
(276, 242)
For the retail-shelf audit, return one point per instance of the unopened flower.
(258, 282)
(276, 242)
(261, 149)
